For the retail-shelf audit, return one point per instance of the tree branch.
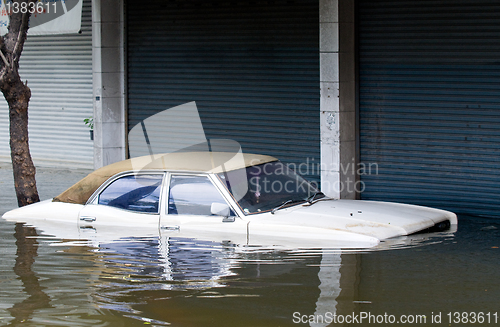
(21, 36)
(13, 41)
(4, 59)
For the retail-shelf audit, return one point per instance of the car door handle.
(88, 219)
(176, 227)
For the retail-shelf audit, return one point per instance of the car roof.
(202, 162)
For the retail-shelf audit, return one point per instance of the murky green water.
(186, 282)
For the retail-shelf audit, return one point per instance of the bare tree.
(18, 96)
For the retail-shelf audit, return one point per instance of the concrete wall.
(338, 105)
(109, 81)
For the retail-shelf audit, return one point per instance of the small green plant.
(90, 122)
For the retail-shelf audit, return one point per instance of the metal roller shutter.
(58, 69)
(429, 101)
(252, 68)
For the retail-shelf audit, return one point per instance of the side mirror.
(220, 209)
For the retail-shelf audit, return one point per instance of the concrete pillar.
(349, 147)
(338, 99)
(109, 81)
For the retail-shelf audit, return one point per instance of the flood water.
(437, 279)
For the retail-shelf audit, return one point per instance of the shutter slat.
(253, 70)
(430, 103)
(58, 69)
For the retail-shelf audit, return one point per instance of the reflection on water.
(187, 282)
(26, 252)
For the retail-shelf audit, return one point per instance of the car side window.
(192, 195)
(139, 193)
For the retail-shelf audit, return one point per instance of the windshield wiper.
(309, 200)
(312, 197)
(281, 206)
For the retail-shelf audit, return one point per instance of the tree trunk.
(18, 95)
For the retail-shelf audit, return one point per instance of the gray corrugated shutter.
(58, 69)
(251, 67)
(430, 102)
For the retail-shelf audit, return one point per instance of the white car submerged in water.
(244, 199)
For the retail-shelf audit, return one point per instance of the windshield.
(268, 186)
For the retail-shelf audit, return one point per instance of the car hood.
(372, 218)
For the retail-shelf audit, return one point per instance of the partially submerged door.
(128, 206)
(190, 211)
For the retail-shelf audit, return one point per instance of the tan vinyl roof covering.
(208, 162)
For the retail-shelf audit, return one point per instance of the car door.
(190, 200)
(128, 205)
